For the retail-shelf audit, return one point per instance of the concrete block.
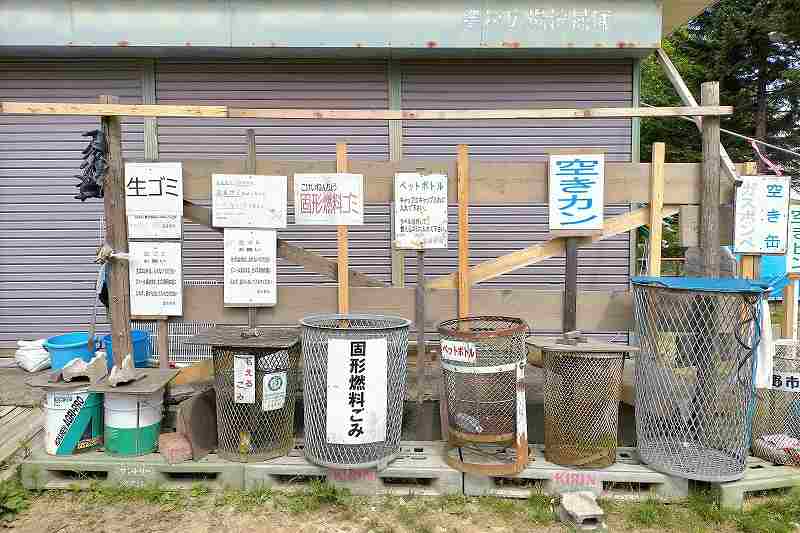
(580, 510)
(174, 448)
(759, 475)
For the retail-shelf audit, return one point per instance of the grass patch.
(540, 508)
(705, 505)
(778, 514)
(151, 494)
(318, 494)
(649, 513)
(14, 499)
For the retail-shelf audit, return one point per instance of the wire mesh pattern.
(245, 431)
(581, 407)
(180, 353)
(694, 380)
(317, 330)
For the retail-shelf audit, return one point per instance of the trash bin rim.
(716, 285)
(397, 321)
(444, 328)
(587, 349)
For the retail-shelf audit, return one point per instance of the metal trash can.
(483, 360)
(776, 422)
(694, 376)
(354, 370)
(256, 383)
(582, 389)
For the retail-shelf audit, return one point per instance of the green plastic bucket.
(133, 423)
(73, 421)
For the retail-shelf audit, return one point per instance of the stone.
(124, 373)
(94, 370)
(174, 447)
(580, 510)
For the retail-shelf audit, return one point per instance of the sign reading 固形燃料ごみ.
(154, 200)
(356, 388)
(248, 201)
(576, 191)
(329, 199)
(761, 215)
(420, 210)
(793, 250)
(155, 278)
(250, 267)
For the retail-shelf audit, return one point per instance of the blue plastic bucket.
(64, 348)
(141, 348)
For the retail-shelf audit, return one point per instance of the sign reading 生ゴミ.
(329, 199)
(576, 191)
(248, 201)
(250, 267)
(155, 278)
(420, 210)
(793, 252)
(154, 200)
(761, 218)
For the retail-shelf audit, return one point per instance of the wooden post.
(250, 168)
(116, 235)
(341, 239)
(463, 231)
(163, 342)
(789, 329)
(656, 208)
(709, 202)
(424, 430)
(570, 320)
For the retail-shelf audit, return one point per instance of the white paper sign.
(250, 267)
(576, 191)
(248, 201)
(244, 378)
(762, 208)
(329, 199)
(273, 392)
(154, 200)
(793, 250)
(420, 211)
(156, 284)
(356, 410)
(463, 352)
(786, 381)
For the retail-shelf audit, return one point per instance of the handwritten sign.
(154, 200)
(244, 378)
(793, 252)
(329, 199)
(420, 211)
(250, 268)
(576, 191)
(761, 219)
(155, 278)
(463, 352)
(248, 201)
(356, 386)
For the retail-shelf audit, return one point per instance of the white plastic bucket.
(73, 421)
(133, 423)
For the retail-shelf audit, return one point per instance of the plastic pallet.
(43, 471)
(419, 470)
(759, 475)
(628, 478)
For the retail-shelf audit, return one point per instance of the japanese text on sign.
(582, 19)
(463, 352)
(155, 278)
(793, 251)
(576, 191)
(356, 386)
(247, 201)
(420, 211)
(250, 267)
(329, 199)
(273, 391)
(786, 381)
(154, 200)
(244, 378)
(762, 207)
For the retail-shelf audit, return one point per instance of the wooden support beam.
(116, 235)
(464, 282)
(114, 110)
(789, 329)
(656, 209)
(570, 322)
(163, 342)
(709, 215)
(250, 167)
(341, 241)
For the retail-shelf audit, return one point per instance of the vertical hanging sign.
(793, 252)
(155, 278)
(356, 408)
(250, 268)
(247, 201)
(329, 199)
(420, 211)
(154, 200)
(762, 209)
(576, 186)
(244, 378)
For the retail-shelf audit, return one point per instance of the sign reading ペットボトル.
(329, 199)
(248, 201)
(250, 267)
(576, 189)
(420, 211)
(154, 200)
(156, 283)
(761, 215)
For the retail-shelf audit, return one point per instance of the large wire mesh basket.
(694, 377)
(353, 421)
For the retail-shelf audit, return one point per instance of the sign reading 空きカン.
(761, 215)
(329, 199)
(420, 210)
(576, 187)
(155, 278)
(154, 200)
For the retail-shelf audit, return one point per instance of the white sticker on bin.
(244, 375)
(273, 393)
(459, 351)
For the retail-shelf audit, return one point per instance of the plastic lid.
(736, 285)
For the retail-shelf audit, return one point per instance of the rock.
(124, 373)
(95, 369)
(174, 447)
(580, 510)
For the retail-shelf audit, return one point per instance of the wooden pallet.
(759, 475)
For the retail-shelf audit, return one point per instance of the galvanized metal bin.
(694, 376)
(354, 369)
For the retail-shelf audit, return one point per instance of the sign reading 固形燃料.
(420, 210)
(248, 201)
(250, 267)
(329, 199)
(356, 391)
(576, 189)
(793, 249)
(244, 378)
(761, 215)
(156, 284)
(154, 200)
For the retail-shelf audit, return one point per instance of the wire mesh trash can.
(694, 376)
(483, 360)
(255, 380)
(582, 389)
(354, 370)
(776, 422)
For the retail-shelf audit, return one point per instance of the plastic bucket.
(141, 348)
(132, 423)
(64, 348)
(73, 421)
